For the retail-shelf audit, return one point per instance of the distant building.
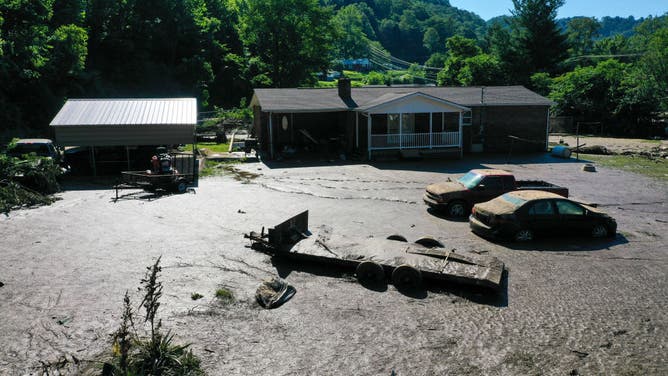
(359, 65)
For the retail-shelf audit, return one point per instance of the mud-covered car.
(522, 215)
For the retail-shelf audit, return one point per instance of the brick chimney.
(344, 88)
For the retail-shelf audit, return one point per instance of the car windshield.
(513, 200)
(470, 180)
(38, 149)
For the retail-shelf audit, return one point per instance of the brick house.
(373, 121)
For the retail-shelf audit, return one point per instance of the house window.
(392, 123)
(408, 123)
(466, 118)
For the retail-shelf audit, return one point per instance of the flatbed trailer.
(375, 259)
(183, 175)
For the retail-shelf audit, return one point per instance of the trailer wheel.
(369, 272)
(406, 276)
(398, 238)
(181, 186)
(429, 242)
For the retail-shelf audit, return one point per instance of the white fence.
(414, 140)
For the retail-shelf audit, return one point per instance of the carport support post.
(92, 155)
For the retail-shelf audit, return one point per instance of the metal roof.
(134, 111)
(324, 100)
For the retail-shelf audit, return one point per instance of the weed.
(224, 295)
(157, 355)
(196, 296)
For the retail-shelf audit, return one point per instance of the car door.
(573, 216)
(541, 216)
(490, 187)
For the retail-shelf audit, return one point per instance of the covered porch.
(413, 121)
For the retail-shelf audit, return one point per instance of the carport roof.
(328, 100)
(137, 111)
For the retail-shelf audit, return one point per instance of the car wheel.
(369, 272)
(523, 235)
(406, 276)
(457, 209)
(599, 231)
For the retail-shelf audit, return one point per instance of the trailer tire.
(398, 238)
(406, 276)
(369, 272)
(429, 242)
(181, 186)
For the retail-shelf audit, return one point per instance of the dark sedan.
(521, 215)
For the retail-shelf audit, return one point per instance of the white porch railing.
(414, 140)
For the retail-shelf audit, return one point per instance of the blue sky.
(589, 8)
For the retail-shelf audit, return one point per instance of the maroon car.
(457, 197)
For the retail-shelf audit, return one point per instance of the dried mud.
(568, 306)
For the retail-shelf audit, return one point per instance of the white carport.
(126, 122)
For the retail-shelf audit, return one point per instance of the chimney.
(344, 88)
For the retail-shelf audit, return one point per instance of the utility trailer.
(181, 175)
(376, 259)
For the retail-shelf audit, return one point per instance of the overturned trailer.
(375, 259)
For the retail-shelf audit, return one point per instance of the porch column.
(431, 134)
(401, 125)
(368, 131)
(461, 138)
(271, 137)
(357, 130)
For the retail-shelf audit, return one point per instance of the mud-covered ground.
(568, 306)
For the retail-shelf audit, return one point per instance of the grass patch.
(214, 168)
(211, 147)
(656, 168)
(224, 295)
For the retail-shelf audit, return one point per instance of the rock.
(1, 284)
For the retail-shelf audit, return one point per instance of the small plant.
(224, 295)
(196, 296)
(157, 355)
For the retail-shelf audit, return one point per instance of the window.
(569, 208)
(493, 183)
(542, 207)
(467, 118)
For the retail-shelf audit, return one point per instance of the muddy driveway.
(568, 306)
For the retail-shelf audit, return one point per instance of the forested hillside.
(218, 50)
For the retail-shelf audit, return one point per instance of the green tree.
(355, 32)
(538, 44)
(431, 40)
(291, 38)
(482, 69)
(582, 32)
(459, 49)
